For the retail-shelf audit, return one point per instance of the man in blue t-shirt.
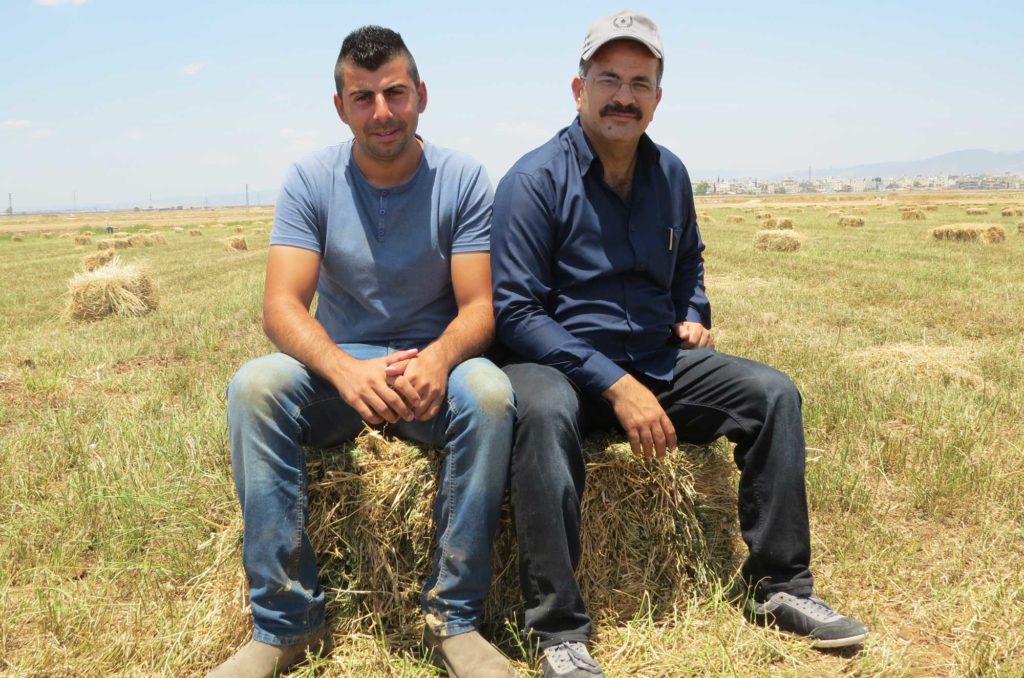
(599, 290)
(392, 233)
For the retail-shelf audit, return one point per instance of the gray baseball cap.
(622, 25)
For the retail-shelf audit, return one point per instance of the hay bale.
(1007, 212)
(986, 233)
(912, 215)
(834, 214)
(931, 208)
(784, 223)
(114, 289)
(140, 240)
(851, 221)
(47, 235)
(121, 235)
(976, 211)
(256, 230)
(764, 215)
(178, 229)
(1018, 212)
(653, 530)
(158, 239)
(17, 237)
(236, 243)
(1020, 228)
(770, 223)
(239, 229)
(777, 240)
(93, 261)
(195, 231)
(83, 239)
(734, 219)
(112, 244)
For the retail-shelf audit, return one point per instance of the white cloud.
(58, 3)
(192, 69)
(15, 124)
(43, 133)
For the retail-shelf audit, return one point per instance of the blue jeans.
(276, 407)
(711, 395)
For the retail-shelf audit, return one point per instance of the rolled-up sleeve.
(523, 243)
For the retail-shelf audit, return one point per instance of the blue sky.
(109, 101)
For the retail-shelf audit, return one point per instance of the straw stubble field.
(119, 530)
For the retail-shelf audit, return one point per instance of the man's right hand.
(648, 428)
(364, 385)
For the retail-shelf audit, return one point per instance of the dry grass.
(764, 215)
(236, 243)
(1007, 212)
(113, 289)
(912, 215)
(83, 239)
(986, 233)
(778, 241)
(113, 244)
(652, 531)
(769, 224)
(177, 229)
(195, 231)
(734, 219)
(900, 363)
(1020, 228)
(851, 221)
(93, 261)
(783, 224)
(17, 237)
(976, 211)
(239, 229)
(931, 208)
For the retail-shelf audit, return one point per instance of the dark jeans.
(712, 394)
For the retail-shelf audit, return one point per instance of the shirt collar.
(647, 150)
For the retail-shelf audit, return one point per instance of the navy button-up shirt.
(585, 282)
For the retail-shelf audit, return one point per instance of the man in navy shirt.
(599, 294)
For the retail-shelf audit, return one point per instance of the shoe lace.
(816, 607)
(570, 655)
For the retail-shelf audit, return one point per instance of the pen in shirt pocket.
(671, 238)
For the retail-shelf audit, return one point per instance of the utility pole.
(151, 201)
(247, 197)
(74, 201)
(10, 205)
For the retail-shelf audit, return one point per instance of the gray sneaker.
(569, 659)
(807, 616)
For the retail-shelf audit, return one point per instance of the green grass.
(119, 529)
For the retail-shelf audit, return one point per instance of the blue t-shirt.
(385, 271)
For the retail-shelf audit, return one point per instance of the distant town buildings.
(835, 185)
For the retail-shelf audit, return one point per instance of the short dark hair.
(370, 47)
(585, 68)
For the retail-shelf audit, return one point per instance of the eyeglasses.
(610, 84)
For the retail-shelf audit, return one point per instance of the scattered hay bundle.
(976, 211)
(93, 261)
(236, 242)
(112, 244)
(256, 230)
(17, 237)
(195, 231)
(141, 240)
(652, 530)
(1018, 211)
(113, 289)
(777, 241)
(66, 236)
(834, 213)
(83, 239)
(784, 223)
(764, 215)
(912, 215)
(47, 235)
(121, 236)
(897, 364)
(931, 208)
(1007, 212)
(158, 239)
(1020, 228)
(178, 229)
(734, 219)
(239, 229)
(851, 221)
(769, 223)
(986, 233)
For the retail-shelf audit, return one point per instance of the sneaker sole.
(839, 642)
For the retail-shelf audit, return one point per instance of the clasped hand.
(403, 385)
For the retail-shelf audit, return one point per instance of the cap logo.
(623, 21)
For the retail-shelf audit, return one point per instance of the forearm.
(288, 324)
(466, 336)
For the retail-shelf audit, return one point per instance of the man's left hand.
(693, 335)
(422, 383)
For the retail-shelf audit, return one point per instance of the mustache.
(385, 126)
(615, 108)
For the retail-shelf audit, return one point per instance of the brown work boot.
(468, 655)
(261, 660)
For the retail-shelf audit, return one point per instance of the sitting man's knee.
(486, 389)
(261, 380)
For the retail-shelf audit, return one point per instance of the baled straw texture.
(1020, 228)
(17, 237)
(986, 233)
(783, 223)
(83, 239)
(113, 289)
(851, 221)
(649, 535)
(734, 219)
(112, 244)
(912, 215)
(770, 223)
(236, 243)
(777, 240)
(931, 208)
(976, 211)
(93, 261)
(195, 231)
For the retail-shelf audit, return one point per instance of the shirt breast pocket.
(664, 253)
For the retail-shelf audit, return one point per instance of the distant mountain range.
(955, 163)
